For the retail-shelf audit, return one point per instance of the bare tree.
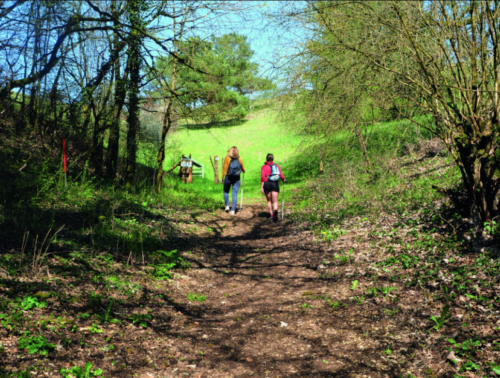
(441, 58)
(64, 63)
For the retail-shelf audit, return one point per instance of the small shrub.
(78, 372)
(445, 315)
(141, 319)
(168, 260)
(35, 344)
(335, 305)
(194, 297)
(30, 302)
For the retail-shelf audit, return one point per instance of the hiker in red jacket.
(270, 174)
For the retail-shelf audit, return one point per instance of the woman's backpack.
(275, 173)
(234, 168)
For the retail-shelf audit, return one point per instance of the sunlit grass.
(297, 155)
(254, 138)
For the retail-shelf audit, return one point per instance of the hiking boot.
(227, 209)
(232, 212)
(275, 216)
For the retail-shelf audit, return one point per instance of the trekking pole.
(283, 204)
(242, 188)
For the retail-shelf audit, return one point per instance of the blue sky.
(272, 39)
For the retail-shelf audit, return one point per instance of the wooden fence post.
(216, 169)
(321, 167)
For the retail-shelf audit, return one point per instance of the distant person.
(270, 174)
(231, 170)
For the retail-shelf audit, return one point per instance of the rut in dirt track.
(270, 311)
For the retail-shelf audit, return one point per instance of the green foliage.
(492, 228)
(495, 368)
(94, 328)
(445, 315)
(360, 299)
(344, 258)
(106, 317)
(196, 297)
(78, 372)
(170, 260)
(467, 350)
(35, 344)
(30, 302)
(404, 260)
(374, 291)
(329, 234)
(347, 188)
(335, 305)
(391, 312)
(122, 285)
(26, 373)
(12, 320)
(222, 75)
(141, 319)
(353, 65)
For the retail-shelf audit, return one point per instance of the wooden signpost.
(186, 173)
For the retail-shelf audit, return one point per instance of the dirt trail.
(274, 310)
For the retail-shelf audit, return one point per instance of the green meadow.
(346, 171)
(262, 133)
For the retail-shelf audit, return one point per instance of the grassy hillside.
(254, 137)
(347, 180)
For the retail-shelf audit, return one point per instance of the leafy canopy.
(214, 77)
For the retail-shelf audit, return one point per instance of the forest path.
(273, 309)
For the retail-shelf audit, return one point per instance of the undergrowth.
(81, 241)
(402, 180)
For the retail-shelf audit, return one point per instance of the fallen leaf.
(453, 358)
(249, 359)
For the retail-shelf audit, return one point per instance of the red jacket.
(265, 171)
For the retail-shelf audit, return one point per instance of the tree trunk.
(133, 90)
(119, 100)
(35, 85)
(362, 144)
(168, 119)
(479, 178)
(167, 123)
(114, 132)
